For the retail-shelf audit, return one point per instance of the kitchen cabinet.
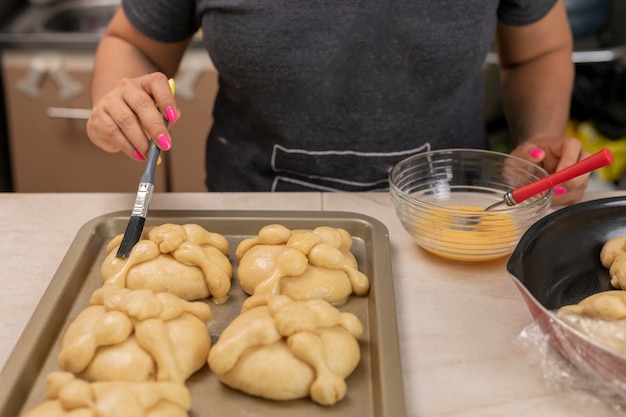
(53, 153)
(47, 102)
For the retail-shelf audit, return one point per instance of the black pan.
(557, 262)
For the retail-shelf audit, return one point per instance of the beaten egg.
(474, 236)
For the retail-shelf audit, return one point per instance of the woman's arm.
(537, 76)
(129, 83)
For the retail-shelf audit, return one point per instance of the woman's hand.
(128, 116)
(554, 154)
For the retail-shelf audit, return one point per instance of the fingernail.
(559, 190)
(536, 153)
(164, 142)
(159, 161)
(138, 156)
(170, 114)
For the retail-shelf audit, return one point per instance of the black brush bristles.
(133, 232)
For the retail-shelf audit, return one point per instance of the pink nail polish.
(138, 156)
(164, 142)
(536, 153)
(559, 190)
(170, 114)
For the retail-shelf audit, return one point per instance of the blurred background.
(46, 56)
(598, 111)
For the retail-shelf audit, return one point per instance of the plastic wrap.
(567, 366)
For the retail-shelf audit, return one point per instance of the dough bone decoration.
(145, 331)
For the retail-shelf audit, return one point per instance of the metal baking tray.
(374, 388)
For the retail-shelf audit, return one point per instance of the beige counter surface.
(457, 323)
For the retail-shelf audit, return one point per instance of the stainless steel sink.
(79, 18)
(64, 24)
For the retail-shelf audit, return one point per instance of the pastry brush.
(134, 229)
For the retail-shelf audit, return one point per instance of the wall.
(7, 8)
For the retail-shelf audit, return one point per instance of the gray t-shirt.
(328, 95)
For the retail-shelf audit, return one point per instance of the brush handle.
(151, 163)
(153, 157)
(146, 182)
(154, 151)
(597, 160)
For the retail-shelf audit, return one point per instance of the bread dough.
(282, 349)
(136, 335)
(185, 260)
(613, 257)
(303, 264)
(609, 305)
(68, 396)
(601, 317)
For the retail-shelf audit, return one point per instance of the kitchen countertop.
(457, 323)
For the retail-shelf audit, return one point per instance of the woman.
(328, 95)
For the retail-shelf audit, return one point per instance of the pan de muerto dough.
(601, 317)
(282, 349)
(303, 264)
(136, 335)
(67, 397)
(613, 257)
(187, 261)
